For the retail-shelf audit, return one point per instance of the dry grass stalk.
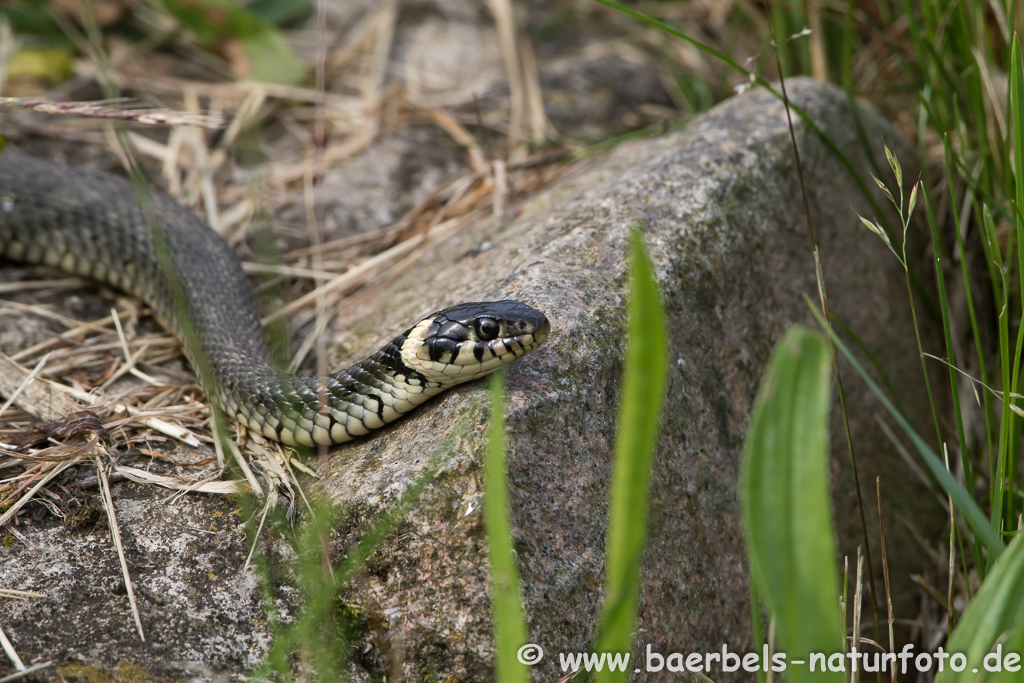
(149, 418)
(72, 336)
(211, 483)
(540, 127)
(504, 20)
(163, 426)
(53, 471)
(358, 39)
(283, 174)
(459, 134)
(933, 594)
(42, 312)
(267, 504)
(315, 337)
(8, 46)
(11, 653)
(885, 572)
(386, 15)
(123, 109)
(232, 93)
(241, 461)
(358, 276)
(951, 569)
(91, 346)
(115, 533)
(13, 396)
(252, 268)
(819, 59)
(130, 358)
(27, 672)
(24, 286)
(19, 595)
(500, 187)
(858, 598)
(36, 398)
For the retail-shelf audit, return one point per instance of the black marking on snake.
(451, 330)
(440, 347)
(380, 405)
(390, 359)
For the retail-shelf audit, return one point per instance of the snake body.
(91, 224)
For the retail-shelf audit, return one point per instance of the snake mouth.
(541, 329)
(525, 332)
(542, 332)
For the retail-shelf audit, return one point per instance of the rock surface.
(719, 205)
(200, 614)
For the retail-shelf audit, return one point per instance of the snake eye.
(486, 329)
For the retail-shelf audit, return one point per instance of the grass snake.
(90, 223)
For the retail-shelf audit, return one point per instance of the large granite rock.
(721, 211)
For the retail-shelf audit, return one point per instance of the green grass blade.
(320, 630)
(1008, 456)
(954, 380)
(729, 61)
(872, 358)
(986, 400)
(509, 630)
(784, 497)
(314, 633)
(963, 500)
(995, 616)
(643, 389)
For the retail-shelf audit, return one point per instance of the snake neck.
(346, 404)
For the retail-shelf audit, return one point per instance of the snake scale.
(90, 223)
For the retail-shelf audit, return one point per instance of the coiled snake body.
(90, 223)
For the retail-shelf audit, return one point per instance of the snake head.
(470, 340)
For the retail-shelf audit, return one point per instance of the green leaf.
(643, 391)
(280, 12)
(509, 630)
(224, 26)
(271, 60)
(211, 21)
(994, 617)
(784, 498)
(51, 65)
